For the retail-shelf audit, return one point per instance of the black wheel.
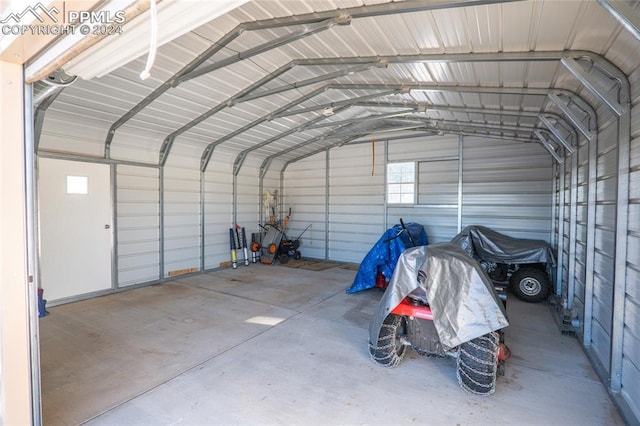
(530, 284)
(389, 350)
(284, 258)
(478, 364)
(297, 255)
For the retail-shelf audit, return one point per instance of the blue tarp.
(384, 255)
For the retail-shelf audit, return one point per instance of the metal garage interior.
(521, 116)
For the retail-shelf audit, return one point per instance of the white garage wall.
(138, 224)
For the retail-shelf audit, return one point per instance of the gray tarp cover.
(492, 246)
(461, 297)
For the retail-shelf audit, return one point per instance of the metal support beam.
(203, 221)
(307, 82)
(272, 44)
(206, 156)
(570, 114)
(170, 139)
(573, 217)
(40, 113)
(560, 247)
(287, 113)
(624, 14)
(547, 145)
(559, 136)
(592, 85)
(171, 82)
(241, 157)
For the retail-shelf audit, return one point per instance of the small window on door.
(77, 185)
(401, 183)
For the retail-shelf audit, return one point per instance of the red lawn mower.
(440, 302)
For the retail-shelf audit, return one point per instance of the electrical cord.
(153, 45)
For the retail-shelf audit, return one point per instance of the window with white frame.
(401, 183)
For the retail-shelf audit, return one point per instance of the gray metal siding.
(181, 213)
(218, 200)
(138, 224)
(507, 187)
(630, 388)
(356, 202)
(305, 187)
(437, 192)
(605, 224)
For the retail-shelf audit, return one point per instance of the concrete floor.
(268, 344)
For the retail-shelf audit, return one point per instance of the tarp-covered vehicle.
(381, 259)
(524, 263)
(440, 302)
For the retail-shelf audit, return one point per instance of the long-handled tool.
(244, 247)
(232, 247)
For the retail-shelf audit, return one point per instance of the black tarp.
(486, 244)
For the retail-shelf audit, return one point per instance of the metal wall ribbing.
(181, 208)
(138, 224)
(356, 201)
(504, 185)
(507, 187)
(630, 388)
(437, 196)
(218, 203)
(604, 255)
(306, 193)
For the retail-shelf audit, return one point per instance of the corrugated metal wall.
(631, 337)
(605, 231)
(356, 201)
(181, 221)
(506, 186)
(218, 202)
(437, 208)
(138, 224)
(306, 193)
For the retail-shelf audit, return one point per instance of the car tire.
(530, 284)
(477, 365)
(389, 350)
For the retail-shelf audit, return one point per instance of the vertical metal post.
(554, 202)
(560, 248)
(32, 263)
(573, 214)
(161, 219)
(386, 195)
(327, 163)
(591, 242)
(622, 231)
(234, 199)
(114, 226)
(460, 147)
(202, 219)
(281, 197)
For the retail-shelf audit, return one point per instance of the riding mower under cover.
(440, 302)
(523, 264)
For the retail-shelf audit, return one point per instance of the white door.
(75, 227)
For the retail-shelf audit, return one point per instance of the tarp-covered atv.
(440, 302)
(523, 263)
